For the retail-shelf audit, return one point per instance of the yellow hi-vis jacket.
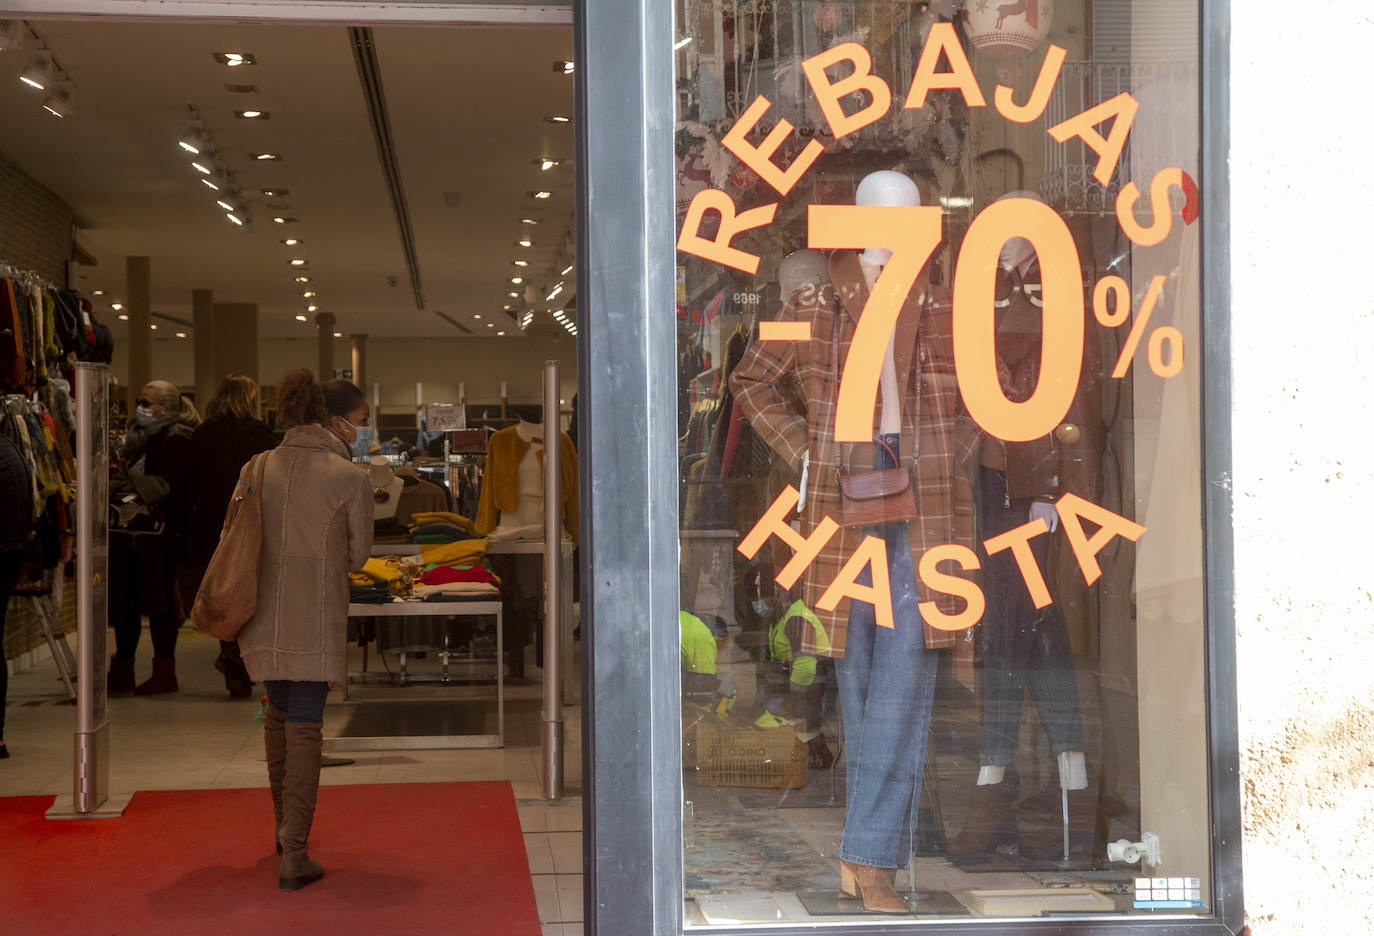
(698, 645)
(780, 645)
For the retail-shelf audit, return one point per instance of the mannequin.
(526, 521)
(386, 488)
(511, 503)
(799, 270)
(1025, 648)
(886, 675)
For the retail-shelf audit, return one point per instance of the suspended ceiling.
(467, 110)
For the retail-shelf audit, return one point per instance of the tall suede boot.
(164, 678)
(274, 740)
(121, 676)
(304, 742)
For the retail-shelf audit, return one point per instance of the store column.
(359, 360)
(325, 323)
(203, 324)
(138, 284)
(234, 337)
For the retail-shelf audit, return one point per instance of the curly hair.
(300, 399)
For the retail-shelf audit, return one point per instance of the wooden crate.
(771, 758)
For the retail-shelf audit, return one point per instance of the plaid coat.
(935, 429)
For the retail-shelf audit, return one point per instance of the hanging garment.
(14, 369)
(500, 485)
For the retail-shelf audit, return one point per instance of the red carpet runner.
(398, 858)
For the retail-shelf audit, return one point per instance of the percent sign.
(1116, 288)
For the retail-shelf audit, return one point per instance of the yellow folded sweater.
(463, 552)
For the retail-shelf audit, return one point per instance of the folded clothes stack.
(440, 526)
(390, 574)
(455, 570)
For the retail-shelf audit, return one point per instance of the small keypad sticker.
(1168, 893)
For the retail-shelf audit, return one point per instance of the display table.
(396, 613)
(571, 690)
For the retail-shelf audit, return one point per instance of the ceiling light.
(681, 44)
(266, 157)
(60, 102)
(491, 324)
(520, 263)
(558, 119)
(123, 317)
(517, 280)
(227, 206)
(302, 279)
(312, 308)
(500, 333)
(252, 115)
(193, 140)
(280, 220)
(38, 73)
(513, 295)
(154, 326)
(181, 334)
(301, 318)
(292, 241)
(540, 195)
(116, 306)
(298, 262)
(530, 221)
(210, 183)
(566, 270)
(477, 315)
(545, 163)
(526, 242)
(235, 59)
(308, 294)
(508, 308)
(338, 334)
(201, 167)
(553, 295)
(11, 34)
(98, 292)
(565, 68)
(275, 192)
(235, 219)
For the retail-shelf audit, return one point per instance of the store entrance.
(379, 204)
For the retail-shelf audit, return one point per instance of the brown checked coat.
(935, 429)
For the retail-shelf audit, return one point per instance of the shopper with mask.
(316, 527)
(156, 458)
(231, 434)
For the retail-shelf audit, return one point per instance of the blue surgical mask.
(761, 607)
(143, 416)
(362, 442)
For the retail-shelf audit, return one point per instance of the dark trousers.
(9, 577)
(127, 598)
(1024, 648)
(302, 701)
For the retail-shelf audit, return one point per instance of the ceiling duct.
(370, 77)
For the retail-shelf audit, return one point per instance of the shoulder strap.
(260, 466)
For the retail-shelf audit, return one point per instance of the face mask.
(144, 416)
(760, 607)
(362, 441)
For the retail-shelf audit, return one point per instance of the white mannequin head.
(800, 269)
(1017, 252)
(886, 187)
(380, 470)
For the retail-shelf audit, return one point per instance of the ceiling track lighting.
(540, 195)
(557, 119)
(564, 68)
(38, 72)
(566, 270)
(61, 99)
(235, 59)
(194, 139)
(11, 34)
(531, 221)
(265, 157)
(545, 163)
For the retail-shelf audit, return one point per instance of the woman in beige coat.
(316, 526)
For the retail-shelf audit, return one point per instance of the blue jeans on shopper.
(1024, 648)
(887, 687)
(301, 701)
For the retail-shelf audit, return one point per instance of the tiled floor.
(198, 739)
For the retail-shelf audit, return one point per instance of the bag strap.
(835, 364)
(260, 466)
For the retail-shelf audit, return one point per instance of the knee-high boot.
(304, 741)
(274, 740)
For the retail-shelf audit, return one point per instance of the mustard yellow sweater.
(501, 479)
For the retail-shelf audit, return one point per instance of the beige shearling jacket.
(316, 527)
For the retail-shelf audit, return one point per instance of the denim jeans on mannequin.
(887, 686)
(1023, 648)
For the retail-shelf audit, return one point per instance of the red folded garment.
(442, 575)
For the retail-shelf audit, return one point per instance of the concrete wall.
(1303, 312)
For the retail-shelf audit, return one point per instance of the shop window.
(939, 406)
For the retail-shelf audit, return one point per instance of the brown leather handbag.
(228, 593)
(882, 495)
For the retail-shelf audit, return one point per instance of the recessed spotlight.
(298, 262)
(338, 334)
(517, 280)
(491, 324)
(524, 242)
(477, 315)
(116, 306)
(539, 195)
(513, 295)
(252, 115)
(235, 59)
(563, 68)
(265, 157)
(292, 241)
(275, 192)
(301, 318)
(508, 308)
(312, 308)
(520, 263)
(531, 221)
(154, 326)
(123, 317)
(500, 333)
(281, 220)
(557, 119)
(181, 334)
(545, 164)
(308, 294)
(302, 279)
(98, 292)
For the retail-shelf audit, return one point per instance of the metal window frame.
(626, 377)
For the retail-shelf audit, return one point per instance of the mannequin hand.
(1046, 512)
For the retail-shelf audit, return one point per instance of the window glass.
(939, 441)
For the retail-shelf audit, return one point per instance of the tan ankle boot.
(274, 741)
(873, 886)
(300, 786)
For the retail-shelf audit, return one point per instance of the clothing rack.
(25, 277)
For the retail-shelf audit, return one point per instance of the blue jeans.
(1023, 648)
(887, 686)
(301, 701)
